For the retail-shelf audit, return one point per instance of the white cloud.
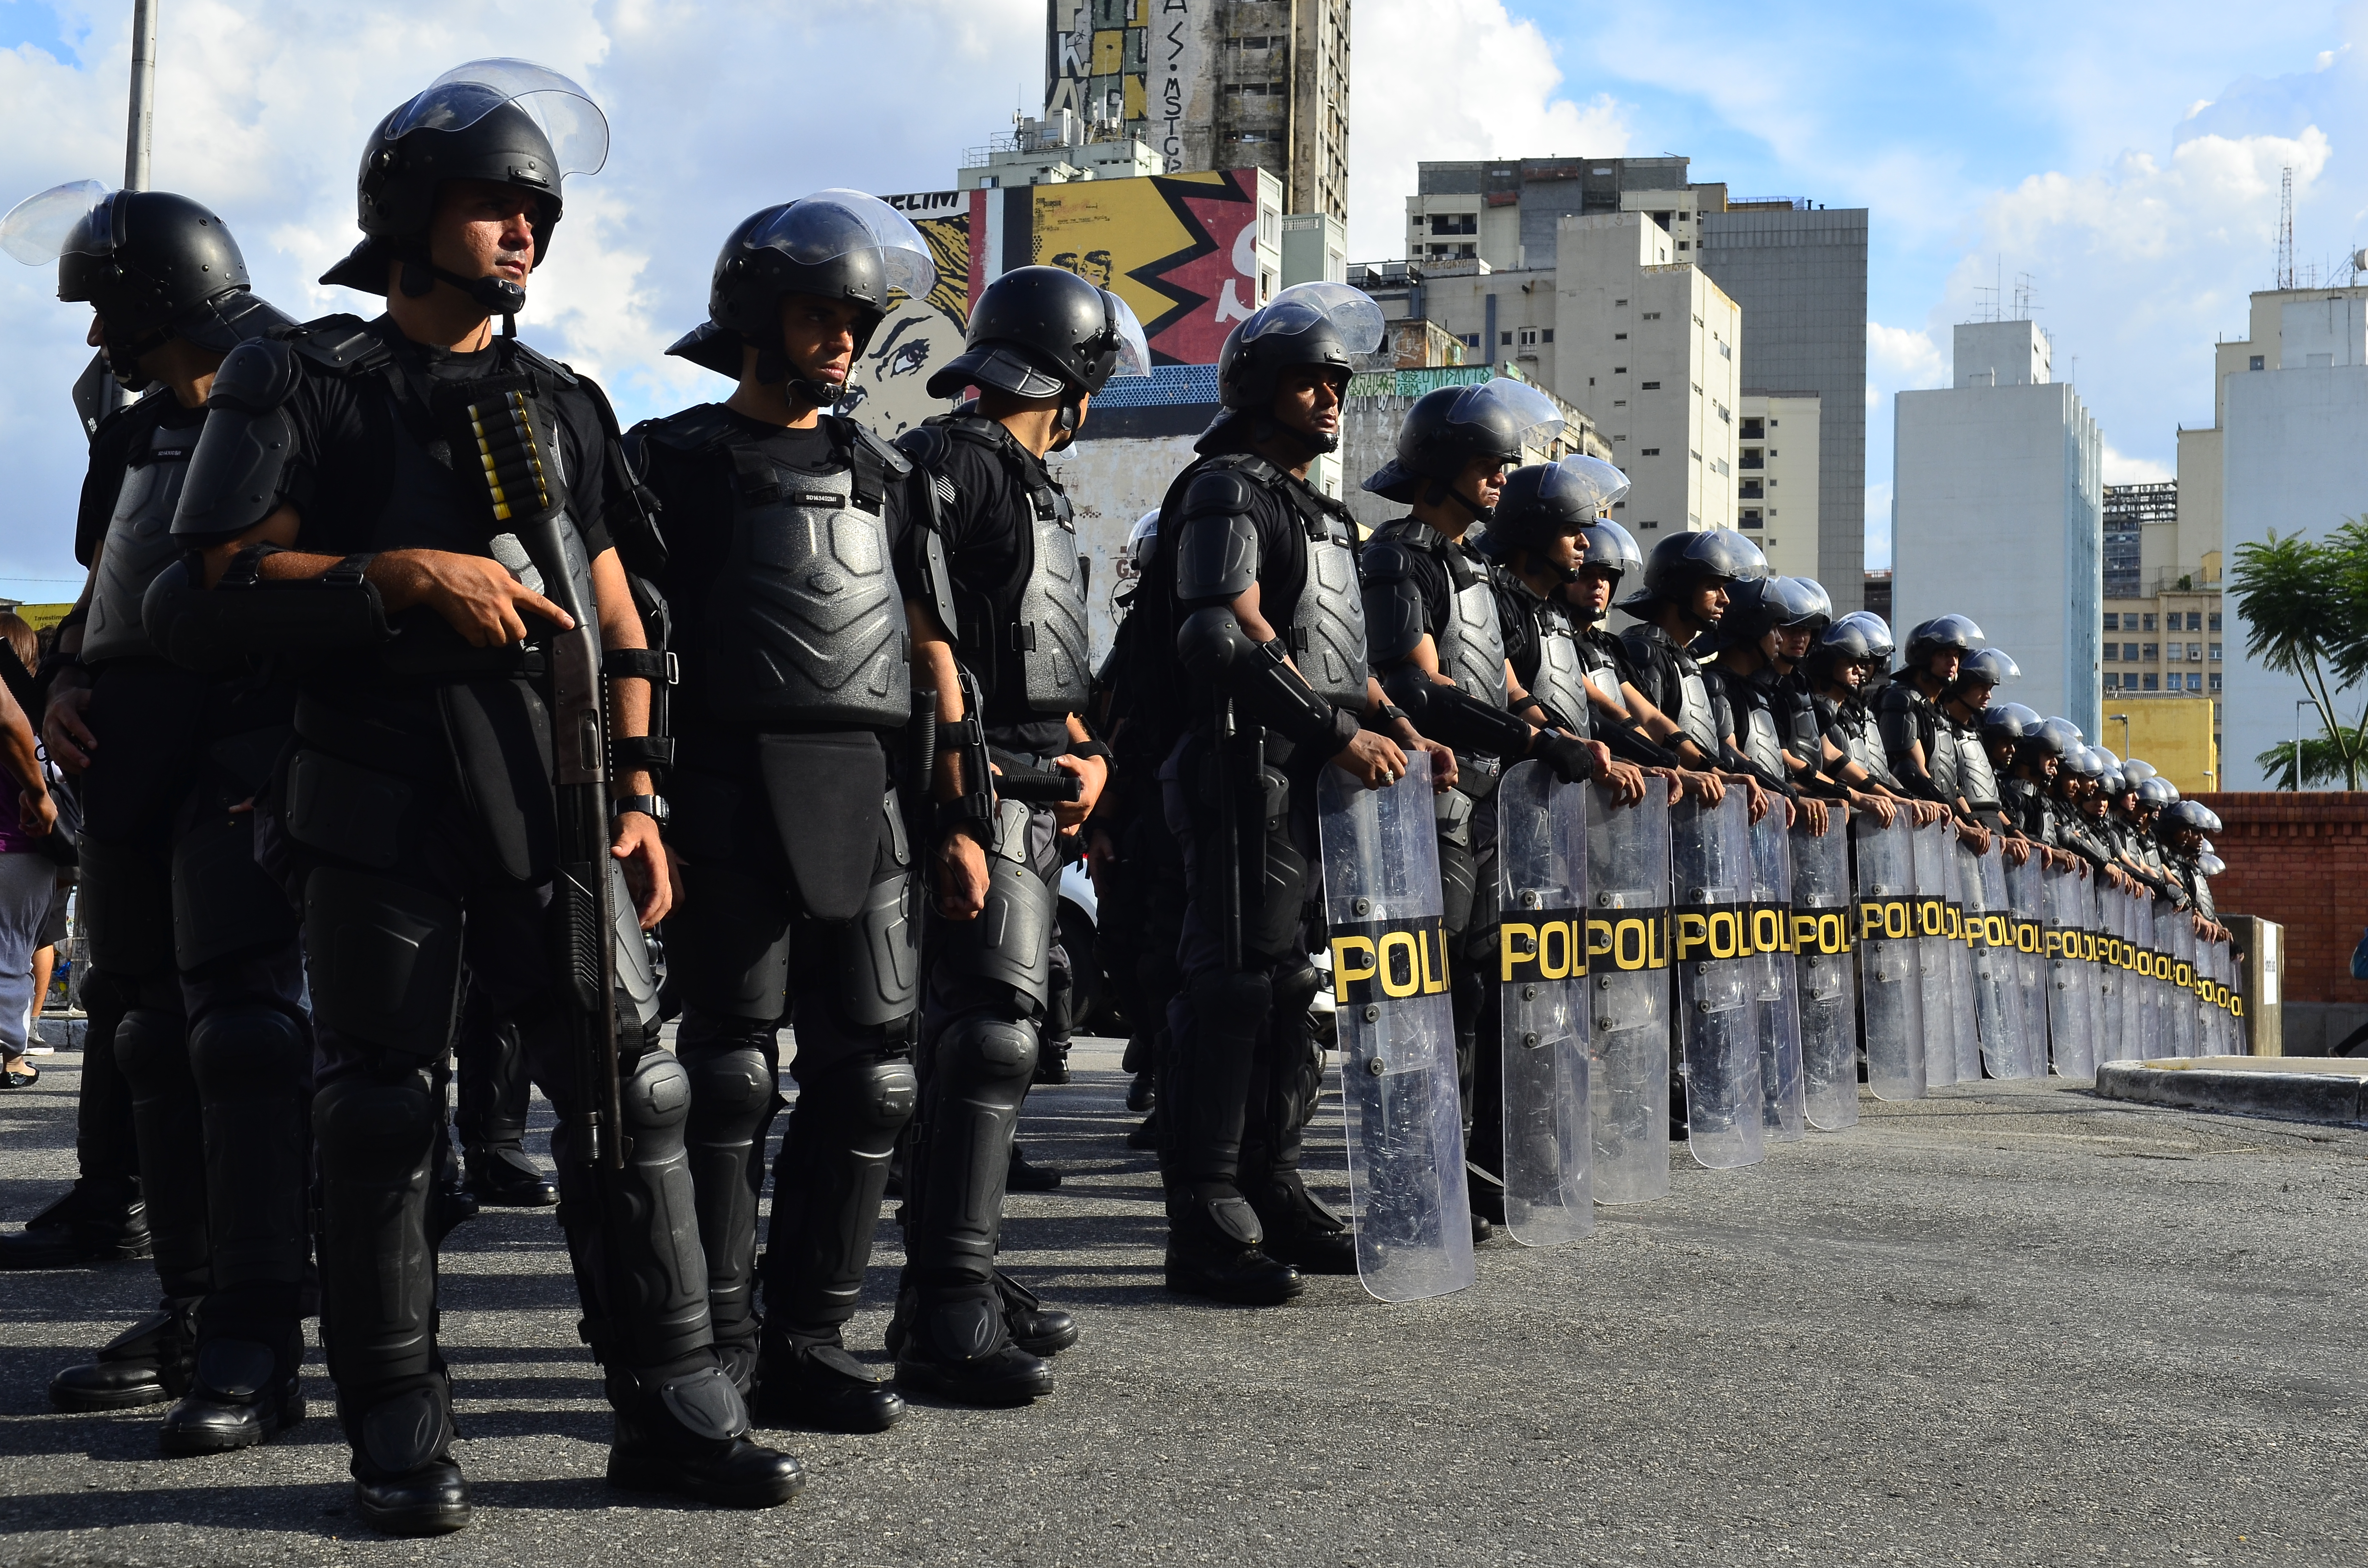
(1901, 359)
(2123, 469)
(1439, 80)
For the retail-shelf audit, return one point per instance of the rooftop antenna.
(2285, 230)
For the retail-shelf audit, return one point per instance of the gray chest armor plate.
(1977, 780)
(1562, 673)
(1472, 643)
(1601, 673)
(1943, 765)
(1053, 647)
(807, 624)
(1760, 742)
(1695, 714)
(1328, 626)
(139, 544)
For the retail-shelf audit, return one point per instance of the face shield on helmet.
(1820, 613)
(1334, 309)
(1544, 501)
(1988, 668)
(2211, 865)
(569, 120)
(1877, 632)
(2113, 783)
(2137, 772)
(2156, 793)
(1684, 560)
(1141, 541)
(1843, 642)
(1448, 430)
(842, 226)
(2007, 721)
(1606, 546)
(2192, 815)
(65, 220)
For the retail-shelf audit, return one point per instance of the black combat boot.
(89, 1223)
(146, 1364)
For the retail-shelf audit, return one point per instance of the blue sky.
(2125, 157)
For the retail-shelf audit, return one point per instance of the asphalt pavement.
(2013, 1324)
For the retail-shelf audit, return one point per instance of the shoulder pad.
(558, 370)
(1384, 560)
(976, 428)
(896, 462)
(341, 344)
(692, 430)
(255, 377)
(925, 444)
(1217, 492)
(1249, 465)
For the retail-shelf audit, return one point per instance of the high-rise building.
(1776, 469)
(2287, 454)
(1213, 85)
(1998, 513)
(1798, 272)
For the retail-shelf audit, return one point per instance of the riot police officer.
(1437, 642)
(1259, 681)
(2181, 834)
(1623, 718)
(1688, 584)
(418, 476)
(1918, 743)
(1743, 664)
(785, 527)
(1962, 705)
(1000, 633)
(1833, 670)
(215, 1043)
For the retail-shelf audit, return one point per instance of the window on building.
(2153, 650)
(2129, 652)
(1752, 431)
(1751, 487)
(2256, 362)
(1662, 219)
(1546, 336)
(1529, 337)
(2215, 653)
(1455, 223)
(2194, 620)
(2150, 681)
(2171, 652)
(2194, 680)
(1619, 369)
(2113, 651)
(2214, 685)
(1751, 517)
(1650, 386)
(2113, 621)
(1618, 402)
(1754, 457)
(1688, 245)
(1649, 452)
(1503, 340)
(2112, 679)
(2149, 624)
(1648, 524)
(1619, 337)
(1470, 340)
(1649, 315)
(2213, 621)
(1623, 301)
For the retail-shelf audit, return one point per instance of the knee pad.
(1295, 989)
(371, 1128)
(152, 1049)
(377, 1140)
(1231, 1006)
(384, 959)
(877, 1094)
(650, 1303)
(655, 1101)
(249, 1047)
(981, 1051)
(732, 1088)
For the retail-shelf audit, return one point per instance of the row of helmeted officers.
(408, 691)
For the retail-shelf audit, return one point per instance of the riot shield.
(1541, 981)
(2068, 1024)
(2227, 1040)
(1890, 979)
(2138, 972)
(1718, 1017)
(2105, 904)
(1413, 1216)
(2158, 1030)
(2187, 1033)
(1821, 967)
(1774, 980)
(1933, 859)
(1998, 1006)
(2026, 897)
(1628, 979)
(1961, 907)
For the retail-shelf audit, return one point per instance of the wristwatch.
(651, 806)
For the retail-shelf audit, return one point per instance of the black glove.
(1570, 759)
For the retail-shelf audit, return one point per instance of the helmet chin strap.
(494, 296)
(1441, 490)
(1315, 444)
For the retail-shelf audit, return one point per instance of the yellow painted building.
(2175, 733)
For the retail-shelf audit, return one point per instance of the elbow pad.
(1453, 717)
(1214, 648)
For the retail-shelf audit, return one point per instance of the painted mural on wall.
(1138, 62)
(918, 334)
(1181, 249)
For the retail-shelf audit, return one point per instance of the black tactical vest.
(806, 623)
(1977, 779)
(139, 544)
(1561, 681)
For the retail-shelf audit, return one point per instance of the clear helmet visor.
(67, 219)
(577, 131)
(1133, 348)
(1507, 405)
(832, 224)
(1589, 483)
(1350, 313)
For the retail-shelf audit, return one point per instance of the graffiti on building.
(1133, 64)
(917, 335)
(1182, 250)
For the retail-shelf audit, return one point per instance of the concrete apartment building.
(1998, 514)
(1213, 85)
(1798, 273)
(2164, 637)
(1776, 469)
(2289, 451)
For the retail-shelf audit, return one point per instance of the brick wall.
(2301, 860)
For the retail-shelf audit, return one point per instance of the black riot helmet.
(508, 121)
(834, 245)
(2041, 740)
(1986, 669)
(2082, 762)
(2137, 771)
(1446, 431)
(1683, 560)
(1940, 634)
(2156, 793)
(1878, 634)
(2208, 863)
(2113, 783)
(1756, 608)
(1821, 611)
(1040, 331)
(2186, 815)
(1325, 325)
(153, 264)
(1544, 501)
(2008, 721)
(1849, 641)
(1605, 546)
